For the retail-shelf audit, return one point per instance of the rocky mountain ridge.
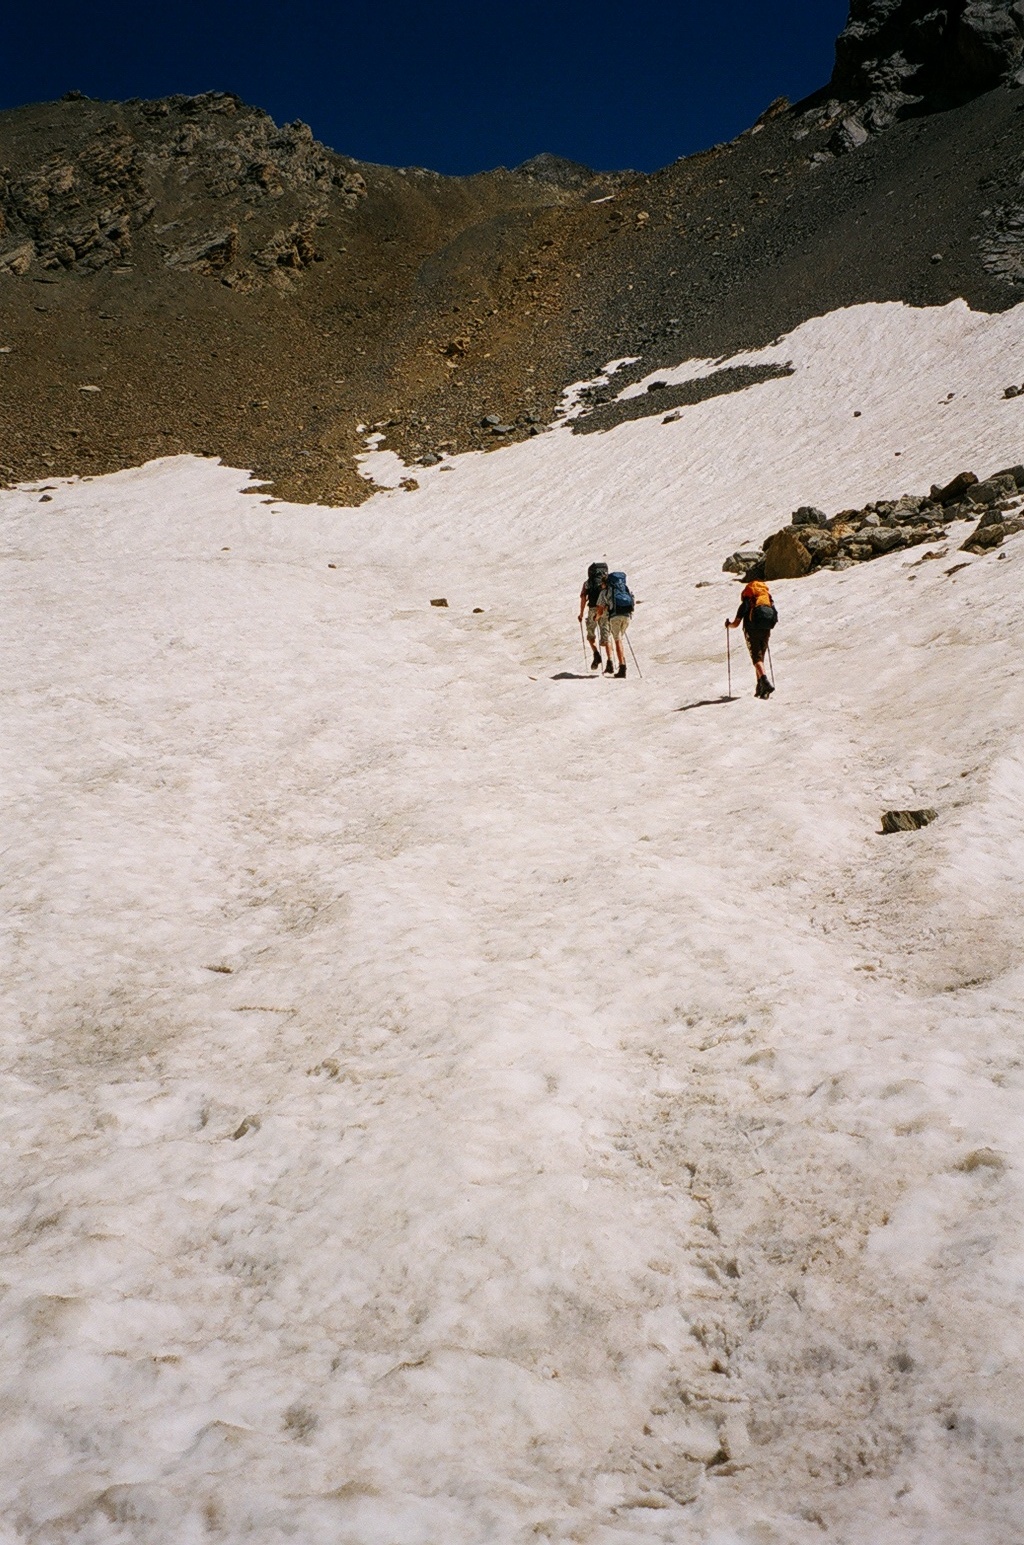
(187, 275)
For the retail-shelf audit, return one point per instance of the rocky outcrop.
(82, 212)
(814, 540)
(77, 213)
(234, 149)
(896, 57)
(599, 411)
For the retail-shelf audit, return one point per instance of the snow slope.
(449, 1099)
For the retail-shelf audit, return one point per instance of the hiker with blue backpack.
(616, 603)
(757, 613)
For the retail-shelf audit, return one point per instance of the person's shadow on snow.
(706, 702)
(573, 676)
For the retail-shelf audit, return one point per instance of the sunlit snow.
(450, 1098)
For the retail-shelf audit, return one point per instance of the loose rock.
(740, 562)
(907, 820)
(992, 489)
(954, 490)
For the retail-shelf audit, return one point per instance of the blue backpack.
(619, 595)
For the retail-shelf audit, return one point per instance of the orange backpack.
(761, 611)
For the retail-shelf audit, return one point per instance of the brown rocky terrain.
(185, 275)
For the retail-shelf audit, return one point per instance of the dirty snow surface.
(449, 1098)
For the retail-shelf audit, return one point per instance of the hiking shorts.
(597, 627)
(617, 626)
(757, 643)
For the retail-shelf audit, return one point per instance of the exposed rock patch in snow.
(448, 1099)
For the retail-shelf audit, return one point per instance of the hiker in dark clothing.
(615, 608)
(757, 613)
(597, 626)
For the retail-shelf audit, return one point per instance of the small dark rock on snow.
(907, 820)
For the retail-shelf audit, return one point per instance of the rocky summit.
(185, 275)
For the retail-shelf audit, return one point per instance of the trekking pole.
(584, 643)
(771, 667)
(636, 662)
(728, 656)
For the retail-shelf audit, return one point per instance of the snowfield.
(449, 1098)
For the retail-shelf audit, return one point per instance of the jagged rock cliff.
(897, 57)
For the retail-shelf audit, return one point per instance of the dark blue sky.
(451, 85)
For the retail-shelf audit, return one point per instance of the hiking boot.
(595, 664)
(609, 669)
(764, 687)
(621, 673)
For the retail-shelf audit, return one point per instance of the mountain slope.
(236, 289)
(449, 1096)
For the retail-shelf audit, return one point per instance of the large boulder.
(953, 491)
(786, 557)
(984, 537)
(1017, 473)
(993, 489)
(885, 539)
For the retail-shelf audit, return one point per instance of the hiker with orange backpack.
(757, 613)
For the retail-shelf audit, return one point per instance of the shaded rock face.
(900, 56)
